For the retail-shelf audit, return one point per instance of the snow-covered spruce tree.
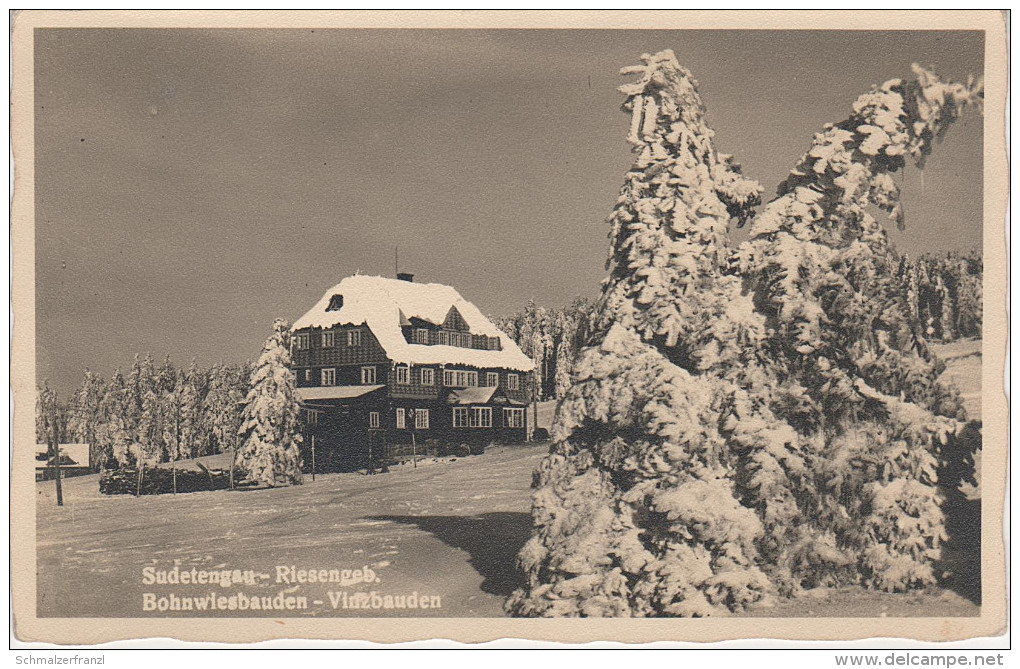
(854, 375)
(46, 411)
(271, 424)
(115, 434)
(969, 297)
(944, 292)
(83, 423)
(221, 415)
(150, 427)
(636, 511)
(166, 388)
(536, 341)
(192, 394)
(134, 391)
(566, 331)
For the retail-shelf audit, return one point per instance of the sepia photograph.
(327, 322)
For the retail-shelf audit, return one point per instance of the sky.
(194, 185)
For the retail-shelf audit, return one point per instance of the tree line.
(552, 338)
(154, 414)
(941, 291)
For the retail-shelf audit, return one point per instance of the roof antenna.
(396, 260)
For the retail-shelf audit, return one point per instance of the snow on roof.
(382, 304)
(79, 453)
(471, 395)
(335, 392)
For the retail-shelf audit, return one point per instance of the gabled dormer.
(454, 321)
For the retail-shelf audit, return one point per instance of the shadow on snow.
(961, 555)
(491, 539)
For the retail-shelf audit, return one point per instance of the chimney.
(405, 276)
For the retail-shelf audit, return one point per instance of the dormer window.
(421, 336)
(336, 303)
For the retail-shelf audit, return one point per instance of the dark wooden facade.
(357, 425)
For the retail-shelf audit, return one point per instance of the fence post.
(56, 449)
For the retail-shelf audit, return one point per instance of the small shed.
(74, 461)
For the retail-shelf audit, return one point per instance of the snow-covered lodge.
(380, 361)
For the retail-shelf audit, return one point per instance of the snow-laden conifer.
(271, 424)
(565, 334)
(151, 444)
(192, 395)
(45, 414)
(116, 433)
(84, 418)
(637, 511)
(222, 407)
(852, 371)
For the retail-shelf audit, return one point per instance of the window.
(308, 375)
(401, 419)
(476, 417)
(328, 377)
(328, 339)
(495, 344)
(481, 416)
(336, 303)
(301, 341)
(311, 417)
(513, 382)
(421, 419)
(403, 374)
(373, 419)
(491, 379)
(513, 417)
(421, 336)
(428, 376)
(444, 338)
(367, 376)
(354, 337)
(460, 378)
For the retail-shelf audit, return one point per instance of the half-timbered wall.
(414, 388)
(346, 359)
